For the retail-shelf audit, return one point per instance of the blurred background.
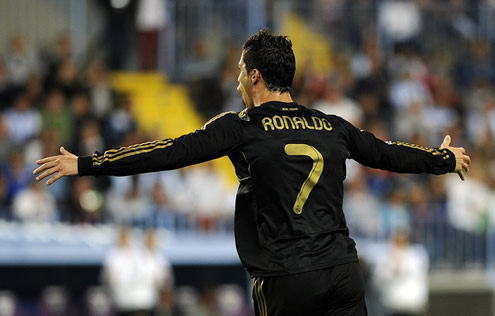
(96, 74)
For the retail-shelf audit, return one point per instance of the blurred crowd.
(409, 71)
(413, 79)
(47, 100)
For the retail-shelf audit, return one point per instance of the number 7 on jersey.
(314, 174)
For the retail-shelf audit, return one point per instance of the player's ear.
(255, 76)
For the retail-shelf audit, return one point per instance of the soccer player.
(290, 229)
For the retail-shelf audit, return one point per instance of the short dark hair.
(273, 56)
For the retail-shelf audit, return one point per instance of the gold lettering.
(317, 123)
(326, 124)
(307, 125)
(287, 118)
(278, 122)
(266, 121)
(298, 121)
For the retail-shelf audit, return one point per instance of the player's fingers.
(44, 166)
(462, 150)
(446, 142)
(47, 159)
(47, 173)
(467, 159)
(465, 167)
(57, 176)
(461, 174)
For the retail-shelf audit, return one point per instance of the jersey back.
(291, 167)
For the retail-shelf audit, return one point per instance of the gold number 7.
(314, 174)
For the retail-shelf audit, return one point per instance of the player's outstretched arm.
(59, 166)
(462, 160)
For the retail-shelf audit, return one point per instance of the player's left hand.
(462, 160)
(61, 165)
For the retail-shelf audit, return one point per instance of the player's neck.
(265, 96)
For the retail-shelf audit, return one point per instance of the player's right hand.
(61, 165)
(462, 160)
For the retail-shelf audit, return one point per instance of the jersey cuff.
(85, 165)
(451, 159)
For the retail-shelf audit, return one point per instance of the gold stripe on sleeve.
(116, 150)
(216, 118)
(111, 153)
(127, 152)
(433, 151)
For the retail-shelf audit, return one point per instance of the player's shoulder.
(226, 118)
(330, 117)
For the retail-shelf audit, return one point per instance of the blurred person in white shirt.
(151, 18)
(398, 20)
(208, 208)
(21, 60)
(136, 275)
(402, 277)
(336, 102)
(23, 121)
(125, 203)
(362, 209)
(34, 204)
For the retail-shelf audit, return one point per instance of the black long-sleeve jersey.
(290, 161)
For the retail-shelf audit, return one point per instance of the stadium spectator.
(91, 138)
(401, 275)
(6, 88)
(80, 109)
(364, 222)
(6, 143)
(162, 273)
(84, 202)
(207, 207)
(136, 274)
(162, 213)
(5, 204)
(17, 174)
(170, 199)
(399, 21)
(151, 18)
(125, 203)
(68, 80)
(120, 123)
(22, 62)
(57, 54)
(97, 302)
(23, 120)
(56, 117)
(480, 119)
(8, 303)
(335, 102)
(34, 204)
(101, 92)
(55, 301)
